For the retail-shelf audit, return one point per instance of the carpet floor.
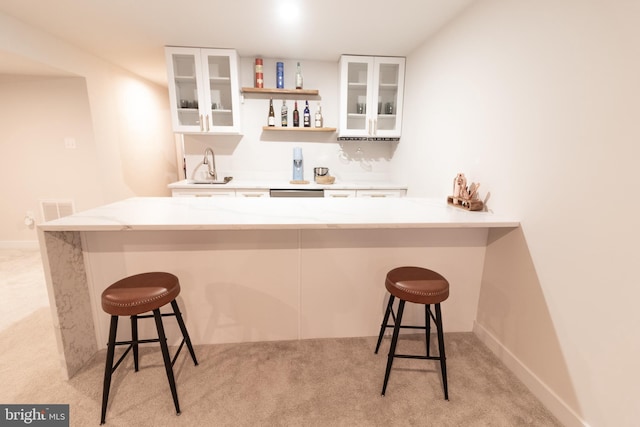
(319, 382)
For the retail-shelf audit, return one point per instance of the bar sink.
(211, 181)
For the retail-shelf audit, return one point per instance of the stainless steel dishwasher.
(276, 192)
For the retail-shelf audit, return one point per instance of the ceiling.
(132, 34)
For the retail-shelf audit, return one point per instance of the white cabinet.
(215, 192)
(339, 193)
(264, 192)
(381, 193)
(204, 192)
(252, 193)
(364, 193)
(203, 90)
(371, 97)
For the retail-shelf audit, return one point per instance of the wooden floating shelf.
(309, 92)
(297, 129)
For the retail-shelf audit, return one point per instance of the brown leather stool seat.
(420, 286)
(132, 296)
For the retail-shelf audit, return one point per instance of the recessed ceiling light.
(288, 11)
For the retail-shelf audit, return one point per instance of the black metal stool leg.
(394, 341)
(443, 363)
(108, 368)
(183, 328)
(134, 339)
(167, 359)
(427, 326)
(384, 322)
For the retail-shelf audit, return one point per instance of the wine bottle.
(284, 114)
(306, 115)
(298, 77)
(272, 115)
(318, 118)
(296, 115)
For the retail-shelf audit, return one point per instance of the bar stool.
(133, 296)
(420, 286)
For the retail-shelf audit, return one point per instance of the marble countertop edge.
(167, 213)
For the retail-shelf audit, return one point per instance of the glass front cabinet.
(371, 96)
(203, 90)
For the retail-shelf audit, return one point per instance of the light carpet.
(320, 382)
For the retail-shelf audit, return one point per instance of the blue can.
(280, 75)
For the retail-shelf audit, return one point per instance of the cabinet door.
(381, 193)
(371, 96)
(356, 76)
(203, 90)
(252, 193)
(202, 193)
(221, 95)
(185, 88)
(339, 193)
(388, 94)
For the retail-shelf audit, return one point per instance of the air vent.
(54, 209)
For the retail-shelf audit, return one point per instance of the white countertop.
(277, 184)
(195, 213)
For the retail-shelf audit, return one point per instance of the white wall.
(539, 102)
(121, 124)
(258, 155)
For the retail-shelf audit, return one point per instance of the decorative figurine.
(459, 188)
(463, 196)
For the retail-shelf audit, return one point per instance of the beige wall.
(539, 102)
(36, 115)
(120, 122)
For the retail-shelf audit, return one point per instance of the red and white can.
(259, 83)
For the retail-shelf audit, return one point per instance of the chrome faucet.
(211, 166)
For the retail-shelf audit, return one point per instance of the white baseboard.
(19, 244)
(549, 399)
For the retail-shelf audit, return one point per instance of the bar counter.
(260, 269)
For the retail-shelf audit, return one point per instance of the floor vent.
(54, 209)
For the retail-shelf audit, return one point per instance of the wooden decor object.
(327, 179)
(465, 197)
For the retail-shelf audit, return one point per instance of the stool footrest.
(411, 356)
(139, 341)
(146, 316)
(406, 327)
